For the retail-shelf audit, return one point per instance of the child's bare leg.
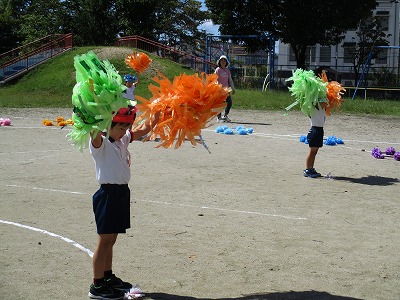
(102, 257)
(311, 157)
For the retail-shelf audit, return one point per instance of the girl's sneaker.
(227, 119)
(117, 283)
(311, 173)
(134, 293)
(104, 292)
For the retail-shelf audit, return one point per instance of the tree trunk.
(300, 54)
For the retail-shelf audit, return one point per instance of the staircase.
(20, 60)
(192, 61)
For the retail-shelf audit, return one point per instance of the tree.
(40, 18)
(93, 22)
(10, 12)
(300, 23)
(368, 35)
(173, 22)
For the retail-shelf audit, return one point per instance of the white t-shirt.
(129, 93)
(318, 118)
(112, 160)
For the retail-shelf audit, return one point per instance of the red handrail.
(50, 46)
(193, 61)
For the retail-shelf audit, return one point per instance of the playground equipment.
(367, 65)
(215, 48)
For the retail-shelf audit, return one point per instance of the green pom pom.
(308, 91)
(96, 96)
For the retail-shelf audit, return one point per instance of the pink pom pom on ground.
(6, 122)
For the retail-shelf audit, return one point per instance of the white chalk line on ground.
(44, 189)
(69, 241)
(170, 203)
(225, 209)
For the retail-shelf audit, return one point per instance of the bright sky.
(209, 26)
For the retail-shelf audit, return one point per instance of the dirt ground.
(240, 223)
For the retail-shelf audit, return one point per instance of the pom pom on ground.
(228, 131)
(241, 130)
(396, 156)
(390, 151)
(5, 122)
(221, 129)
(377, 153)
(330, 141)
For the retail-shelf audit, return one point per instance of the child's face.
(119, 130)
(223, 62)
(128, 83)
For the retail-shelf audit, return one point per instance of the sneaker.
(310, 173)
(227, 119)
(221, 119)
(135, 293)
(315, 172)
(117, 283)
(104, 292)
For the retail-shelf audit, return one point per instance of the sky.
(208, 26)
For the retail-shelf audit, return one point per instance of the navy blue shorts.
(111, 207)
(315, 137)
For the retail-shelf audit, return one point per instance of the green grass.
(50, 85)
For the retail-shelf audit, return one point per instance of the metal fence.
(22, 59)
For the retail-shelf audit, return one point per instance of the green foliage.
(50, 85)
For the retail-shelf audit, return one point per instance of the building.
(338, 57)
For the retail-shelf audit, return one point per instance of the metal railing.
(192, 61)
(20, 60)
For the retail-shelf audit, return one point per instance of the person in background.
(130, 82)
(225, 79)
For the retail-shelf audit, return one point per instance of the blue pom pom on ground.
(241, 130)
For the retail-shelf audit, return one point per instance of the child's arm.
(137, 81)
(144, 128)
(96, 138)
(231, 84)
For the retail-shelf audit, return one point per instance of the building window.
(383, 19)
(348, 52)
(382, 57)
(325, 54)
(310, 51)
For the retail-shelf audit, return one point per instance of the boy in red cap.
(111, 203)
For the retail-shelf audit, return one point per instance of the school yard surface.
(240, 223)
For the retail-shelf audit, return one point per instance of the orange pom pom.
(47, 122)
(186, 105)
(59, 119)
(139, 61)
(334, 92)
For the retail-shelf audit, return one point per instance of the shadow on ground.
(246, 123)
(292, 295)
(370, 180)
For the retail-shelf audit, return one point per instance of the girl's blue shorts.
(111, 207)
(315, 137)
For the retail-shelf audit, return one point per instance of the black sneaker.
(310, 173)
(104, 292)
(315, 172)
(117, 283)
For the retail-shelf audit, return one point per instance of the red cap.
(125, 115)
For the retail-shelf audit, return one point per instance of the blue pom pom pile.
(330, 141)
(241, 130)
